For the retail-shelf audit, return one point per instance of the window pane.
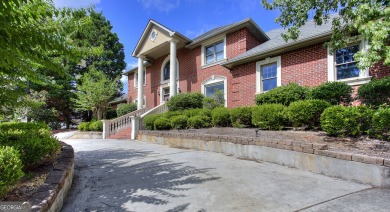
(210, 89)
(210, 59)
(220, 56)
(144, 78)
(219, 47)
(348, 70)
(166, 71)
(210, 50)
(268, 84)
(268, 71)
(345, 55)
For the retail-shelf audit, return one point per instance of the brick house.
(241, 60)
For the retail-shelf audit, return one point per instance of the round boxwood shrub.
(333, 92)
(83, 126)
(342, 121)
(179, 122)
(185, 101)
(220, 117)
(381, 124)
(171, 114)
(162, 124)
(282, 95)
(197, 122)
(269, 116)
(96, 126)
(10, 168)
(306, 113)
(124, 109)
(241, 117)
(375, 93)
(211, 103)
(149, 120)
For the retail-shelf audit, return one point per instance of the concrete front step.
(124, 133)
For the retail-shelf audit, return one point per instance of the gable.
(148, 44)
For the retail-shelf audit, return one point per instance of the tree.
(95, 92)
(33, 33)
(370, 19)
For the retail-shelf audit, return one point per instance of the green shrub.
(162, 124)
(33, 145)
(10, 168)
(198, 122)
(365, 117)
(241, 117)
(124, 109)
(171, 114)
(282, 95)
(306, 113)
(34, 126)
(84, 126)
(179, 122)
(211, 103)
(185, 101)
(149, 121)
(333, 92)
(381, 124)
(197, 111)
(220, 117)
(269, 116)
(111, 114)
(343, 121)
(96, 126)
(375, 93)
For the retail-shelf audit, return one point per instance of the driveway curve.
(126, 175)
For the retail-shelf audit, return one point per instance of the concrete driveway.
(125, 175)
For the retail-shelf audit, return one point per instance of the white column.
(173, 69)
(140, 83)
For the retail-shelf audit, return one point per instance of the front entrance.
(165, 94)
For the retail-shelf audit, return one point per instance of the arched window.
(165, 70)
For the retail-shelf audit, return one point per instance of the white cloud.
(160, 5)
(75, 3)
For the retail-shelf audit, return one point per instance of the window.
(268, 74)
(136, 78)
(343, 67)
(144, 102)
(215, 84)
(215, 52)
(165, 70)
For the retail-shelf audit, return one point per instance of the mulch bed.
(361, 145)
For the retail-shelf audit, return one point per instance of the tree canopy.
(370, 19)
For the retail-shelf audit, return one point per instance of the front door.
(165, 92)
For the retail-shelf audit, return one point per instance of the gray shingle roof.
(307, 32)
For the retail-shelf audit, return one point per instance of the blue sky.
(189, 17)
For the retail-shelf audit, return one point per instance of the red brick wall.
(239, 42)
(306, 66)
(243, 85)
(379, 70)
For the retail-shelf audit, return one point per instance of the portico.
(155, 42)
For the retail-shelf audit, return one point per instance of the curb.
(308, 156)
(50, 196)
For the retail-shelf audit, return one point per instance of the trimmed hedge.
(381, 124)
(96, 126)
(185, 101)
(10, 168)
(162, 124)
(269, 116)
(33, 145)
(149, 121)
(198, 122)
(211, 103)
(241, 117)
(282, 95)
(220, 117)
(306, 113)
(197, 111)
(171, 114)
(179, 122)
(84, 126)
(375, 93)
(124, 109)
(333, 92)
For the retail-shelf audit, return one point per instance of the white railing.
(110, 127)
(159, 109)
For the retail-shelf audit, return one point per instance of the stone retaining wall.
(50, 196)
(302, 155)
(87, 135)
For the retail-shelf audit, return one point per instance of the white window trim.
(135, 101)
(215, 79)
(166, 60)
(278, 72)
(210, 42)
(363, 75)
(136, 78)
